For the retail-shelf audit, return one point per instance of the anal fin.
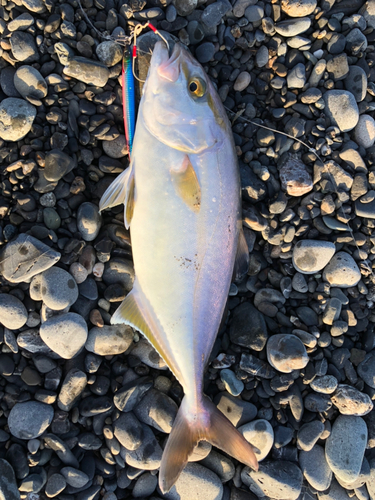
(241, 264)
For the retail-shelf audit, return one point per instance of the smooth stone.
(309, 434)
(364, 132)
(157, 409)
(350, 401)
(239, 412)
(56, 484)
(365, 209)
(342, 271)
(57, 164)
(130, 394)
(116, 148)
(30, 419)
(196, 482)
(87, 71)
(65, 334)
(74, 477)
(259, 434)
(277, 479)
(148, 454)
(242, 81)
(326, 384)
(144, 486)
(341, 108)
(335, 492)
(370, 483)
(232, 384)
(205, 52)
(345, 447)
(58, 288)
(293, 27)
(366, 369)
(21, 22)
(6, 81)
(8, 484)
(334, 224)
(109, 53)
(72, 387)
(129, 431)
(148, 355)
(23, 47)
(13, 313)
(295, 179)
(296, 77)
(298, 8)
(220, 465)
(315, 468)
(16, 118)
(311, 256)
(286, 352)
(25, 257)
(248, 327)
(109, 340)
(88, 221)
(356, 83)
(30, 83)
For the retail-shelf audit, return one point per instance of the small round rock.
(242, 81)
(298, 8)
(13, 313)
(341, 108)
(342, 271)
(88, 221)
(30, 83)
(259, 434)
(310, 256)
(58, 288)
(16, 118)
(65, 334)
(196, 482)
(364, 132)
(30, 419)
(286, 352)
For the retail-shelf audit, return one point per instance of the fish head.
(180, 106)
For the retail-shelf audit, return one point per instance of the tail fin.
(206, 424)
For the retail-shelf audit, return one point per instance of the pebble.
(350, 401)
(8, 483)
(286, 353)
(293, 27)
(57, 164)
(342, 271)
(16, 118)
(295, 180)
(345, 447)
(259, 434)
(196, 482)
(13, 313)
(309, 434)
(109, 340)
(58, 288)
(242, 81)
(326, 384)
(72, 387)
(315, 468)
(231, 383)
(30, 419)
(277, 479)
(239, 412)
(30, 83)
(65, 334)
(88, 221)
(87, 71)
(356, 83)
(74, 477)
(364, 132)
(296, 77)
(147, 354)
(341, 108)
(248, 327)
(109, 53)
(23, 47)
(145, 485)
(56, 484)
(129, 431)
(295, 8)
(147, 455)
(157, 409)
(311, 256)
(205, 52)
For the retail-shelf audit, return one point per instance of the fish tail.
(206, 423)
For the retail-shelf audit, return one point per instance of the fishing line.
(237, 116)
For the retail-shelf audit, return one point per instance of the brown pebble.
(96, 318)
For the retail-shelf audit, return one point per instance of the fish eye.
(197, 87)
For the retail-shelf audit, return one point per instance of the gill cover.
(179, 105)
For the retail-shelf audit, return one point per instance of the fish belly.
(184, 259)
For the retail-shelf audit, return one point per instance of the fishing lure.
(128, 98)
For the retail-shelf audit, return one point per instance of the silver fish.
(182, 204)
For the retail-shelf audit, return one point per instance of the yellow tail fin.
(207, 423)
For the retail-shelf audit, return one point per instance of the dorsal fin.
(186, 184)
(121, 191)
(241, 264)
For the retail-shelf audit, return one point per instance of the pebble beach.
(85, 406)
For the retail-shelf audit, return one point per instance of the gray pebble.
(8, 483)
(315, 468)
(16, 118)
(30, 83)
(58, 288)
(196, 482)
(350, 401)
(87, 71)
(342, 271)
(148, 454)
(277, 479)
(286, 353)
(72, 387)
(88, 221)
(65, 334)
(30, 419)
(13, 313)
(157, 409)
(109, 340)
(309, 434)
(23, 47)
(341, 109)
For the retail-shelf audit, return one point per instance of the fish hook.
(137, 30)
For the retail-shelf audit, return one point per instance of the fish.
(181, 196)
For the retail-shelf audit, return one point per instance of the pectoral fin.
(186, 184)
(121, 191)
(241, 265)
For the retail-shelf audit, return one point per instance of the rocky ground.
(85, 408)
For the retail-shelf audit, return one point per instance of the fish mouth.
(168, 67)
